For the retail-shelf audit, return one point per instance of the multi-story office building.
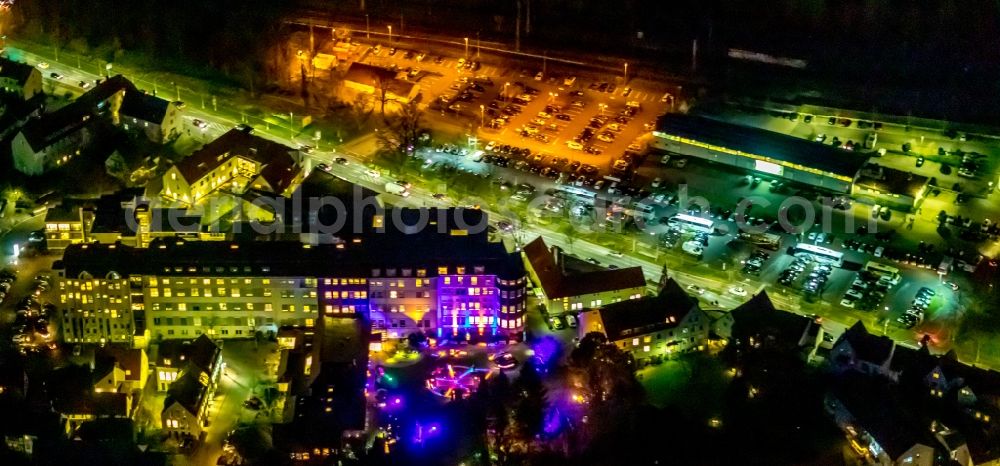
(449, 284)
(96, 309)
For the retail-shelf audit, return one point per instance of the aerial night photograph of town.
(499, 232)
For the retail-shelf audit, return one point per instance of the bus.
(762, 240)
(641, 210)
(692, 223)
(884, 272)
(575, 194)
(818, 254)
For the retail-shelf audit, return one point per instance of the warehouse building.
(758, 150)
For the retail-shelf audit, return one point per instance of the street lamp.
(466, 47)
(505, 90)
(368, 33)
(390, 33)
(482, 115)
(625, 78)
(108, 69)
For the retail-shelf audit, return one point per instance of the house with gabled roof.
(569, 284)
(667, 324)
(757, 324)
(156, 118)
(861, 351)
(185, 409)
(234, 162)
(19, 79)
(54, 138)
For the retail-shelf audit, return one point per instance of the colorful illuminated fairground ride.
(456, 382)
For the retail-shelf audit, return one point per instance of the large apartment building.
(452, 285)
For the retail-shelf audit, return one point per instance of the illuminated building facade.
(759, 151)
(460, 287)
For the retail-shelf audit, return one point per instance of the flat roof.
(768, 144)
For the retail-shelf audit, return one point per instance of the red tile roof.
(236, 142)
(556, 283)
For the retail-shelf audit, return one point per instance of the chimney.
(557, 257)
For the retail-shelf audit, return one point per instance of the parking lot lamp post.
(390, 33)
(625, 76)
(482, 115)
(108, 69)
(505, 85)
(466, 47)
(368, 29)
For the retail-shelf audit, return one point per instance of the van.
(875, 211)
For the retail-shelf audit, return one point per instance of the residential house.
(19, 79)
(158, 119)
(570, 284)
(51, 140)
(77, 397)
(667, 324)
(879, 425)
(863, 352)
(185, 410)
(757, 324)
(201, 355)
(125, 368)
(234, 162)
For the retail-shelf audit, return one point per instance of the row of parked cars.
(915, 314)
(520, 158)
(31, 325)
(866, 292)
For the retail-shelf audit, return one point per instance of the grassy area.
(694, 384)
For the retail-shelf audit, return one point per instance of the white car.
(43, 65)
(878, 251)
(491, 145)
(847, 302)
(738, 291)
(657, 182)
(615, 254)
(696, 289)
(574, 145)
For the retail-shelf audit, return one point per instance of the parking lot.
(547, 114)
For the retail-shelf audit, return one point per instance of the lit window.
(635, 342)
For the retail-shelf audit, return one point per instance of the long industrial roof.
(768, 144)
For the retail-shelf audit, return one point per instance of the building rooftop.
(759, 142)
(867, 347)
(891, 181)
(758, 317)
(355, 257)
(146, 107)
(882, 413)
(50, 127)
(201, 353)
(558, 283)
(377, 76)
(240, 143)
(648, 314)
(187, 391)
(15, 71)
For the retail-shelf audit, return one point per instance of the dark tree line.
(231, 37)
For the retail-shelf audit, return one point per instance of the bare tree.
(401, 131)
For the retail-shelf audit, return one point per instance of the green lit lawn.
(694, 384)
